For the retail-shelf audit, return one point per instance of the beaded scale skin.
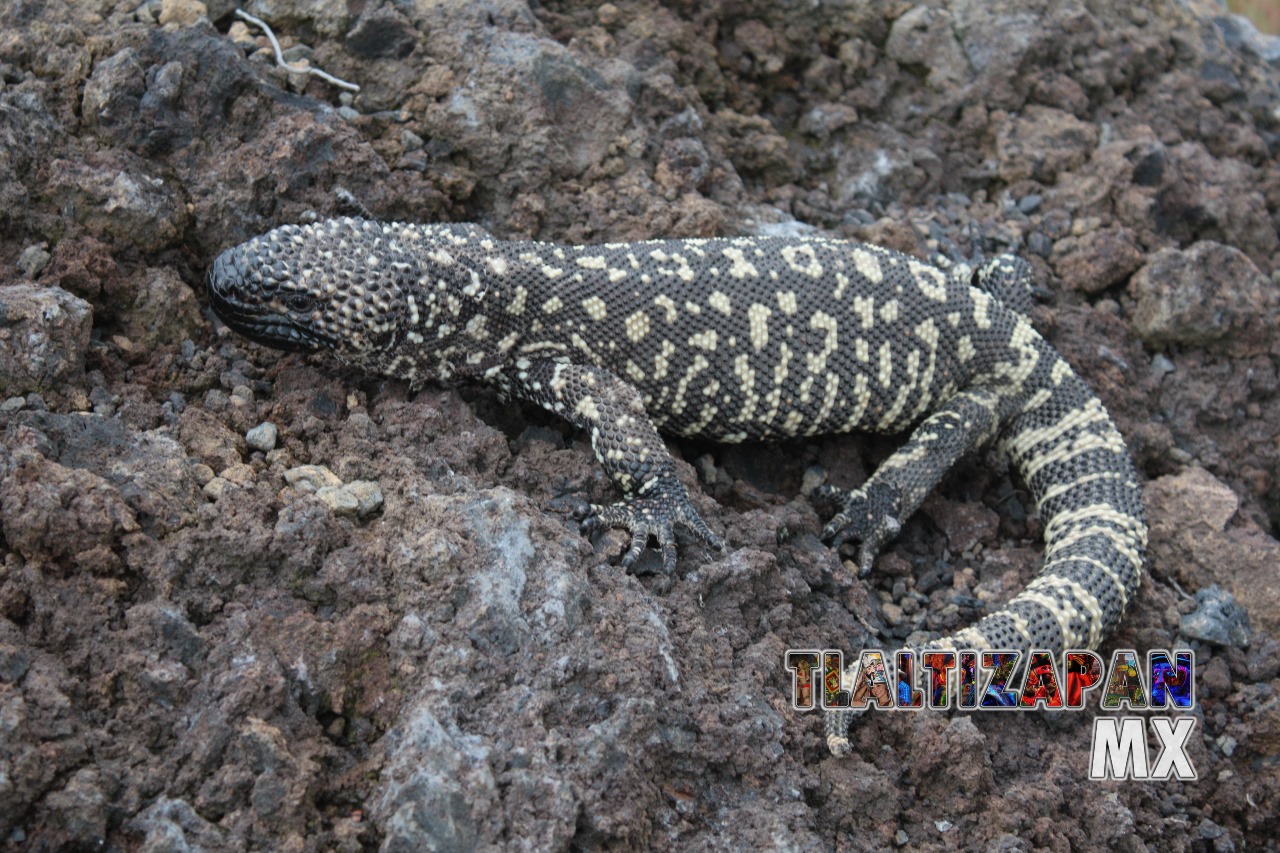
(733, 339)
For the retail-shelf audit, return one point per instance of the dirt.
(376, 625)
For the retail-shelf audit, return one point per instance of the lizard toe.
(651, 514)
(869, 517)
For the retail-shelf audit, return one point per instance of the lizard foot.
(868, 516)
(653, 513)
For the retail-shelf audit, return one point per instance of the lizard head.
(359, 288)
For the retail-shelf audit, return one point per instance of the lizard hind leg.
(873, 513)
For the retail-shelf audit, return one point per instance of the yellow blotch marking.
(802, 259)
(861, 399)
(861, 350)
(662, 361)
(720, 302)
(931, 281)
(551, 272)
(668, 305)
(924, 383)
(905, 390)
(581, 343)
(886, 364)
(828, 403)
(588, 409)
(518, 302)
(684, 271)
(637, 326)
(806, 385)
(787, 302)
(1037, 400)
(889, 311)
(552, 305)
(693, 308)
(774, 397)
(981, 309)
(704, 340)
(865, 308)
(740, 267)
(1060, 371)
(746, 376)
(823, 322)
(842, 282)
(475, 327)
(867, 265)
(699, 364)
(591, 262)
(964, 349)
(595, 308)
(927, 332)
(758, 325)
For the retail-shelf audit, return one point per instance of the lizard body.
(732, 339)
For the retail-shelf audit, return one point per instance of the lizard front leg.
(626, 444)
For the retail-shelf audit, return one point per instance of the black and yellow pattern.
(732, 339)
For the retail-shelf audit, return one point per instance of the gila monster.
(732, 339)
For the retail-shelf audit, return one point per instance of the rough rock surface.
(381, 629)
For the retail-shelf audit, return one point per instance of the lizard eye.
(299, 302)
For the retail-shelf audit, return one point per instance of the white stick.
(316, 72)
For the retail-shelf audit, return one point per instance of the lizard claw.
(870, 517)
(652, 513)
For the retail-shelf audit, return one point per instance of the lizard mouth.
(242, 305)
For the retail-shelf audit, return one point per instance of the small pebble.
(33, 260)
(214, 489)
(409, 140)
(368, 495)
(240, 474)
(1029, 203)
(311, 478)
(262, 437)
(339, 499)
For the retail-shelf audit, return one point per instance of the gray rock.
(368, 495)
(164, 310)
(116, 198)
(433, 779)
(1217, 619)
(1202, 295)
(33, 260)
(44, 335)
(1042, 142)
(339, 499)
(311, 478)
(80, 808)
(926, 36)
(382, 32)
(173, 826)
(262, 437)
